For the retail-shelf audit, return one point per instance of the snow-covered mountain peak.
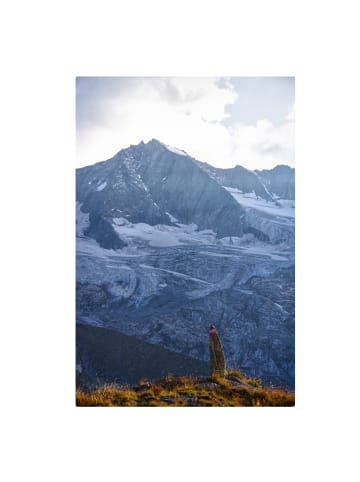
(175, 150)
(156, 184)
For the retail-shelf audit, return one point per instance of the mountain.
(238, 177)
(149, 183)
(165, 247)
(280, 181)
(272, 213)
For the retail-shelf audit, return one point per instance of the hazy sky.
(223, 121)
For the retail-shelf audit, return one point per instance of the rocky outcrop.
(217, 357)
(103, 232)
(280, 181)
(237, 177)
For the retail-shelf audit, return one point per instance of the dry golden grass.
(236, 391)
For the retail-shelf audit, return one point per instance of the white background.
(44, 46)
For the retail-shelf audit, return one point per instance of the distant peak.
(278, 168)
(241, 168)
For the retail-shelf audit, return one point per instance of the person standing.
(217, 357)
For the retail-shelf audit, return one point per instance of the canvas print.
(185, 241)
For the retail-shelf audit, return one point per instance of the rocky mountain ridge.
(151, 184)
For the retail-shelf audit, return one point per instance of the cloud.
(291, 115)
(182, 112)
(263, 144)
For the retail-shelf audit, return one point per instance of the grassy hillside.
(234, 390)
(107, 356)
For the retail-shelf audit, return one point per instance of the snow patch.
(265, 250)
(282, 207)
(263, 185)
(102, 186)
(175, 150)
(173, 219)
(176, 273)
(161, 235)
(89, 247)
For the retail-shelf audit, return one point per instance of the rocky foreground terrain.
(234, 390)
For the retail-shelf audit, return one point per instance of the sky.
(225, 121)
